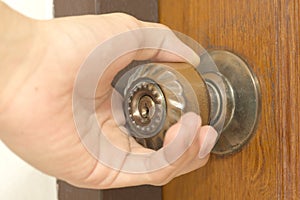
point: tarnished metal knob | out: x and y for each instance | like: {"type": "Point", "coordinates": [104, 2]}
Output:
{"type": "Point", "coordinates": [158, 94]}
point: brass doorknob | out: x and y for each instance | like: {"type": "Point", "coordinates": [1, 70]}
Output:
{"type": "Point", "coordinates": [157, 94]}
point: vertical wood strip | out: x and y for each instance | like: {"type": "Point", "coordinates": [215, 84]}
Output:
{"type": "Point", "coordinates": [288, 101]}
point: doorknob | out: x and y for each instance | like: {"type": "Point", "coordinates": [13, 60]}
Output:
{"type": "Point", "coordinates": [226, 97]}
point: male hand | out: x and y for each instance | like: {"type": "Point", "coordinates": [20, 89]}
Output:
{"type": "Point", "coordinates": [36, 117]}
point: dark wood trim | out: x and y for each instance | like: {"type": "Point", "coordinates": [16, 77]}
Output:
{"type": "Point", "coordinates": [145, 192]}
{"type": "Point", "coordinates": [146, 10]}
{"type": "Point", "coordinates": [69, 192]}
{"type": "Point", "coordinates": [64, 8]}
{"type": "Point", "coordinates": [141, 9]}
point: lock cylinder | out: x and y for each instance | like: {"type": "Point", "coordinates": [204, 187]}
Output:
{"type": "Point", "coordinates": [157, 95]}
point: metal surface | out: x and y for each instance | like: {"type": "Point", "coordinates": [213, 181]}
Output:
{"type": "Point", "coordinates": [243, 102]}
{"type": "Point", "coordinates": [160, 93]}
{"type": "Point", "coordinates": [157, 95]}
{"type": "Point", "coordinates": [146, 108]}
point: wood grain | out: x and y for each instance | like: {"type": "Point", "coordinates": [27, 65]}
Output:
{"type": "Point", "coordinates": [266, 35]}
{"type": "Point", "coordinates": [288, 97]}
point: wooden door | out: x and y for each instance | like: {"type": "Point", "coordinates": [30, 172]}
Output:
{"type": "Point", "coordinates": [266, 34]}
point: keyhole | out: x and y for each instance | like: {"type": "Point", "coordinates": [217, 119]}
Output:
{"type": "Point", "coordinates": [145, 110]}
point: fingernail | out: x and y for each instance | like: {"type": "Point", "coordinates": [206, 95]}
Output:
{"type": "Point", "coordinates": [208, 143]}
{"type": "Point", "coordinates": [196, 61]}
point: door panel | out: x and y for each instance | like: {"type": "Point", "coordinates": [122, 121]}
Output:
{"type": "Point", "coordinates": [266, 35]}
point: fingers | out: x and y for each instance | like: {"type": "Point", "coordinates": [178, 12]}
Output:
{"type": "Point", "coordinates": [208, 136]}
{"type": "Point", "coordinates": [127, 40]}
{"type": "Point", "coordinates": [160, 42]}
{"type": "Point", "coordinates": [181, 147]}
{"type": "Point", "coordinates": [142, 34]}
{"type": "Point", "coordinates": [207, 141]}
{"type": "Point", "coordinates": [186, 148]}
{"type": "Point", "coordinates": [195, 156]}
{"type": "Point", "coordinates": [166, 46]}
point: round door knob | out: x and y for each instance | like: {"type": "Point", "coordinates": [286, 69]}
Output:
{"type": "Point", "coordinates": [158, 94]}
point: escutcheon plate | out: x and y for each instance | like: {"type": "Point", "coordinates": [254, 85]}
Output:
{"type": "Point", "coordinates": [244, 86]}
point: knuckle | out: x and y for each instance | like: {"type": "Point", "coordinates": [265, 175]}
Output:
{"type": "Point", "coordinates": [162, 178]}
{"type": "Point", "coordinates": [130, 20]}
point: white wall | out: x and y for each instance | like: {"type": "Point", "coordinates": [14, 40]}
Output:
{"type": "Point", "coordinates": [38, 9]}
{"type": "Point", "coordinates": [18, 180]}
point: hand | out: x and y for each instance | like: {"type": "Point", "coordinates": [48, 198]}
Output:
{"type": "Point", "coordinates": [36, 117]}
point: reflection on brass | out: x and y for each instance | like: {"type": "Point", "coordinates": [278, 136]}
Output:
{"type": "Point", "coordinates": [226, 96]}
{"type": "Point", "coordinates": [143, 104]}
{"type": "Point", "coordinates": [243, 103]}
{"type": "Point", "coordinates": [157, 96]}
{"type": "Point", "coordinates": [196, 81]}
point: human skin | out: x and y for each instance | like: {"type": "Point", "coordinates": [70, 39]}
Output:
{"type": "Point", "coordinates": [38, 68]}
